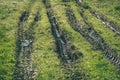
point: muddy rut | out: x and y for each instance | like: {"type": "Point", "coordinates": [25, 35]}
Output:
{"type": "Point", "coordinates": [93, 37]}
{"type": "Point", "coordinates": [65, 49]}
{"type": "Point", "coordinates": [25, 38]}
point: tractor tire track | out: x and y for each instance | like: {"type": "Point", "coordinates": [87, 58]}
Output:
{"type": "Point", "coordinates": [110, 24]}
{"type": "Point", "coordinates": [64, 47]}
{"type": "Point", "coordinates": [93, 37]}
{"type": "Point", "coordinates": [24, 41]}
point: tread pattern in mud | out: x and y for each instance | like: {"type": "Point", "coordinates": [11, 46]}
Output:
{"type": "Point", "coordinates": [93, 37]}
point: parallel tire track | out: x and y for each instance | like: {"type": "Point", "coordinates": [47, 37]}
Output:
{"type": "Point", "coordinates": [24, 41]}
{"type": "Point", "coordinates": [93, 37]}
{"type": "Point", "coordinates": [64, 47]}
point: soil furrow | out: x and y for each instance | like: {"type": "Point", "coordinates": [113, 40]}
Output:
{"type": "Point", "coordinates": [93, 37]}
{"type": "Point", "coordinates": [25, 38]}
{"type": "Point", "coordinates": [64, 47]}
{"type": "Point", "coordinates": [110, 24]}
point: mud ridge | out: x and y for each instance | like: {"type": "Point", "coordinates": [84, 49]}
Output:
{"type": "Point", "coordinates": [93, 37]}
{"type": "Point", "coordinates": [64, 47]}
{"type": "Point", "coordinates": [110, 24]}
{"type": "Point", "coordinates": [24, 41]}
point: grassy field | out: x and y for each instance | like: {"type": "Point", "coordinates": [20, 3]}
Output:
{"type": "Point", "coordinates": [44, 62]}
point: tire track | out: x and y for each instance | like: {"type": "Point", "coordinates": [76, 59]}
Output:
{"type": "Point", "coordinates": [64, 47]}
{"type": "Point", "coordinates": [93, 37]}
{"type": "Point", "coordinates": [110, 24]}
{"type": "Point", "coordinates": [24, 41]}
